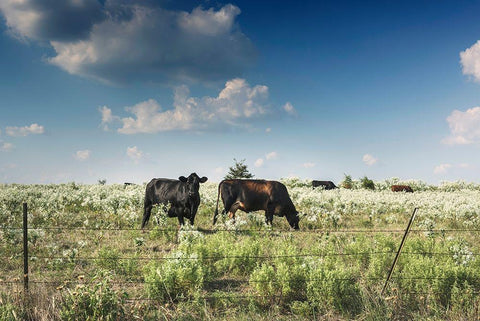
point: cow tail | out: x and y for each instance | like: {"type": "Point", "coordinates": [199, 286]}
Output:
{"type": "Point", "coordinates": [216, 208]}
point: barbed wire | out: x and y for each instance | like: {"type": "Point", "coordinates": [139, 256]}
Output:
{"type": "Point", "coordinates": [260, 230]}
{"type": "Point", "coordinates": [266, 257]}
{"type": "Point", "coordinates": [231, 281]}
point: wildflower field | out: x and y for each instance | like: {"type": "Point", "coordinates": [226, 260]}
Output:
{"type": "Point", "coordinates": [89, 259]}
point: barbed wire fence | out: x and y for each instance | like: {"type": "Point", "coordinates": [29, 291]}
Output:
{"type": "Point", "coordinates": [26, 257]}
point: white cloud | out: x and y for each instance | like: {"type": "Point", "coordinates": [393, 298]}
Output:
{"type": "Point", "coordinates": [107, 117]}
{"type": "Point", "coordinates": [259, 162]}
{"type": "Point", "coordinates": [268, 130]}
{"type": "Point", "coordinates": [288, 107]}
{"type": "Point", "coordinates": [5, 147]}
{"type": "Point", "coordinates": [134, 153]}
{"type": "Point", "coordinates": [470, 61]}
{"type": "Point", "coordinates": [82, 155]}
{"type": "Point", "coordinates": [33, 129]}
{"type": "Point", "coordinates": [442, 168]}
{"type": "Point", "coordinates": [464, 127]}
{"type": "Point", "coordinates": [237, 104]}
{"type": "Point", "coordinates": [369, 160]}
{"type": "Point", "coordinates": [219, 170]}
{"type": "Point", "coordinates": [272, 155]}
{"type": "Point", "coordinates": [125, 41]}
{"type": "Point", "coordinates": [308, 165]}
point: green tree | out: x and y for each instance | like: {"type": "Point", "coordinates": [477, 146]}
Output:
{"type": "Point", "coordinates": [347, 182]}
{"type": "Point", "coordinates": [238, 170]}
{"type": "Point", "coordinates": [367, 183]}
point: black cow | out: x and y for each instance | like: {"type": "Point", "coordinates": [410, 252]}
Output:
{"type": "Point", "coordinates": [327, 185]}
{"type": "Point", "coordinates": [254, 195]}
{"type": "Point", "coordinates": [181, 194]}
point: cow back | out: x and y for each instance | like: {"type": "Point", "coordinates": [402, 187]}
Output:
{"type": "Point", "coordinates": [401, 188]}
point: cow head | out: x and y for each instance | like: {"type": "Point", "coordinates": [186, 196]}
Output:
{"type": "Point", "coordinates": [293, 219]}
{"type": "Point", "coordinates": [193, 183]}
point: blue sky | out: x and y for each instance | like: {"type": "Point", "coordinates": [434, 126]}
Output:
{"type": "Point", "coordinates": [129, 90]}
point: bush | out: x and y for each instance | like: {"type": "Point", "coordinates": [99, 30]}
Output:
{"type": "Point", "coordinates": [347, 182]}
{"type": "Point", "coordinates": [367, 183]}
{"type": "Point", "coordinates": [97, 301]}
{"type": "Point", "coordinates": [337, 289]}
{"type": "Point", "coordinates": [178, 277]}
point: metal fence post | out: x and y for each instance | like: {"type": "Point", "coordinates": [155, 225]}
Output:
{"type": "Point", "coordinates": [400, 248]}
{"type": "Point", "coordinates": [25, 247]}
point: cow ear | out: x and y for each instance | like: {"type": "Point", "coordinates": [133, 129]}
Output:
{"type": "Point", "coordinates": [182, 179]}
{"type": "Point", "coordinates": [203, 179]}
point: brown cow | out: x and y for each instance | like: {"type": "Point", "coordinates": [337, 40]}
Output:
{"type": "Point", "coordinates": [401, 188]}
{"type": "Point", "coordinates": [255, 195]}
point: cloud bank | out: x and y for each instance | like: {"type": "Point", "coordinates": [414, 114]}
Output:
{"type": "Point", "coordinates": [33, 129]}
{"type": "Point", "coordinates": [237, 105]}
{"type": "Point", "coordinates": [124, 41]}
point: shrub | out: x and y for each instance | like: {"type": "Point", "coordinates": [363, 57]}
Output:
{"type": "Point", "coordinates": [97, 301]}
{"type": "Point", "coordinates": [180, 276]}
{"type": "Point", "coordinates": [347, 182]}
{"type": "Point", "coordinates": [367, 183]}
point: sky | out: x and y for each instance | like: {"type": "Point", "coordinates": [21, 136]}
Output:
{"type": "Point", "coordinates": [128, 90]}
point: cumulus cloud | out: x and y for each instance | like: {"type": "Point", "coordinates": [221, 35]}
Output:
{"type": "Point", "coordinates": [442, 168]}
{"type": "Point", "coordinates": [470, 61]}
{"type": "Point", "coordinates": [308, 165]}
{"type": "Point", "coordinates": [134, 153]}
{"type": "Point", "coordinates": [123, 41]}
{"type": "Point", "coordinates": [82, 155]}
{"type": "Point", "coordinates": [369, 160]}
{"type": "Point", "coordinates": [50, 19]}
{"type": "Point", "coordinates": [464, 127]}
{"type": "Point", "coordinates": [259, 162]}
{"type": "Point", "coordinates": [237, 105]}
{"type": "Point", "coordinates": [107, 117]}
{"type": "Point", "coordinates": [5, 147]}
{"type": "Point", "coordinates": [288, 107]}
{"type": "Point", "coordinates": [272, 155]}
{"type": "Point", "coordinates": [33, 129]}
{"type": "Point", "coordinates": [445, 168]}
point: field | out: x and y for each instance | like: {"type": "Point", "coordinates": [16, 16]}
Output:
{"type": "Point", "coordinates": [89, 260]}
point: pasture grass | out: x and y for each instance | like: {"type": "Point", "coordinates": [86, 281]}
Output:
{"type": "Point", "coordinates": [100, 266]}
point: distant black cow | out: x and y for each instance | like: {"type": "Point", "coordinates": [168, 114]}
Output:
{"type": "Point", "coordinates": [255, 195]}
{"type": "Point", "coordinates": [325, 184]}
{"type": "Point", "coordinates": [401, 188]}
{"type": "Point", "coordinates": [181, 194]}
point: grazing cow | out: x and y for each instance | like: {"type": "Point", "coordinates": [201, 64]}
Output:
{"type": "Point", "coordinates": [181, 194]}
{"type": "Point", "coordinates": [401, 188]}
{"type": "Point", "coordinates": [254, 195]}
{"type": "Point", "coordinates": [327, 185]}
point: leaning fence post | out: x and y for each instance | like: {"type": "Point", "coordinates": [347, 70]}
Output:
{"type": "Point", "coordinates": [400, 248]}
{"type": "Point", "coordinates": [25, 248]}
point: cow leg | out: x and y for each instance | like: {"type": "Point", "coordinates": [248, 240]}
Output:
{"type": "Point", "coordinates": [147, 210]}
{"type": "Point", "coordinates": [193, 212]}
{"type": "Point", "coordinates": [228, 205]}
{"type": "Point", "coordinates": [180, 215]}
{"type": "Point", "coordinates": [269, 214]}
{"type": "Point", "coordinates": [233, 209]}
{"type": "Point", "coordinates": [171, 212]}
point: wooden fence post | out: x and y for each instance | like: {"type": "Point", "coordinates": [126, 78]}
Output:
{"type": "Point", "coordinates": [400, 248]}
{"type": "Point", "coordinates": [25, 248]}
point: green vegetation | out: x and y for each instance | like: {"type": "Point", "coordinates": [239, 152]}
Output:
{"type": "Point", "coordinates": [100, 266]}
{"type": "Point", "coordinates": [238, 170]}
